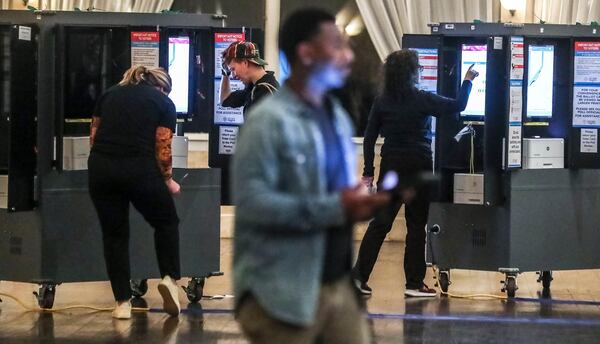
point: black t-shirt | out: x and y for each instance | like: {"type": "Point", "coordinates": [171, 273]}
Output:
{"type": "Point", "coordinates": [247, 97]}
{"type": "Point", "coordinates": [130, 116]}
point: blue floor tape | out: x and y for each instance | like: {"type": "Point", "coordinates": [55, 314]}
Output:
{"type": "Point", "coordinates": [433, 317]}
{"type": "Point", "coordinates": [557, 302]}
{"type": "Point", "coordinates": [487, 319]}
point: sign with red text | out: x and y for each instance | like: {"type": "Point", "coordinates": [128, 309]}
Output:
{"type": "Point", "coordinates": [224, 115]}
{"type": "Point", "coordinates": [145, 47]}
{"type": "Point", "coordinates": [586, 85]}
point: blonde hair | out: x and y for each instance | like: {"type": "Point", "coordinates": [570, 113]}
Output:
{"type": "Point", "coordinates": [157, 77]}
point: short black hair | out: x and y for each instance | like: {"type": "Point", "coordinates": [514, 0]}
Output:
{"type": "Point", "coordinates": [301, 26]}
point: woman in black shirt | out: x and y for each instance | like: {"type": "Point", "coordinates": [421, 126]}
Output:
{"type": "Point", "coordinates": [130, 162]}
{"type": "Point", "coordinates": [402, 115]}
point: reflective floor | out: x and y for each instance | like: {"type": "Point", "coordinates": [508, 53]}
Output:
{"type": "Point", "coordinates": [561, 317]}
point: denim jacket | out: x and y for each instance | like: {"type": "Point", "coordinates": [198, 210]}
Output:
{"type": "Point", "coordinates": [282, 205]}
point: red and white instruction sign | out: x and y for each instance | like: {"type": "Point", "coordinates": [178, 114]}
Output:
{"type": "Point", "coordinates": [517, 61]}
{"type": "Point", "coordinates": [145, 47]}
{"type": "Point", "coordinates": [222, 41]}
{"type": "Point", "coordinates": [228, 119]}
{"type": "Point", "coordinates": [428, 60]}
{"type": "Point", "coordinates": [586, 85]}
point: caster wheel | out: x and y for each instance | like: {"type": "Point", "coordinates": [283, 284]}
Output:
{"type": "Point", "coordinates": [511, 287]}
{"type": "Point", "coordinates": [546, 279]}
{"type": "Point", "coordinates": [194, 289]}
{"type": "Point", "coordinates": [444, 279]}
{"type": "Point", "coordinates": [139, 287]}
{"type": "Point", "coordinates": [45, 295]}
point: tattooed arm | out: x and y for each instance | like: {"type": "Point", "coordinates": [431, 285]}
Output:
{"type": "Point", "coordinates": [164, 137]}
{"type": "Point", "coordinates": [93, 129]}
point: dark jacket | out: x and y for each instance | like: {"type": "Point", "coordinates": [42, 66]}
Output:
{"type": "Point", "coordinates": [405, 123]}
{"type": "Point", "coordinates": [247, 97]}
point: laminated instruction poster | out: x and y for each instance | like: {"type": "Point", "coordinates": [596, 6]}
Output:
{"type": "Point", "coordinates": [515, 114]}
{"type": "Point", "coordinates": [517, 62]}
{"type": "Point", "coordinates": [515, 111]}
{"type": "Point", "coordinates": [226, 115]}
{"type": "Point", "coordinates": [145, 48]}
{"type": "Point", "coordinates": [428, 78]}
{"type": "Point", "coordinates": [231, 117]}
{"type": "Point", "coordinates": [586, 89]}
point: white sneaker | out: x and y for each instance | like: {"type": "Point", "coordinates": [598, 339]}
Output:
{"type": "Point", "coordinates": [122, 310]}
{"type": "Point", "coordinates": [169, 291]}
{"type": "Point", "coordinates": [363, 288]}
{"type": "Point", "coordinates": [424, 291]}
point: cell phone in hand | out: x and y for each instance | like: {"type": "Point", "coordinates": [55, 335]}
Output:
{"type": "Point", "coordinates": [390, 181]}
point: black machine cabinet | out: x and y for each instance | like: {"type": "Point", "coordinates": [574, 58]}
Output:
{"type": "Point", "coordinates": [95, 55]}
{"type": "Point", "coordinates": [63, 241]}
{"type": "Point", "coordinates": [18, 117]}
{"type": "Point", "coordinates": [528, 219]}
{"type": "Point", "coordinates": [53, 71]}
{"type": "Point", "coordinates": [93, 58]}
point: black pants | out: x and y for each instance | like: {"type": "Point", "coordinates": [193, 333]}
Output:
{"type": "Point", "coordinates": [114, 182]}
{"type": "Point", "coordinates": [409, 169]}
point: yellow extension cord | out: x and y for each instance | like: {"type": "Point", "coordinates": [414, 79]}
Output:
{"type": "Point", "coordinates": [62, 309]}
{"type": "Point", "coordinates": [467, 296]}
{"type": "Point", "coordinates": [475, 296]}
{"type": "Point", "coordinates": [140, 309]}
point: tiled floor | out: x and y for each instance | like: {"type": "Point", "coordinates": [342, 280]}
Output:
{"type": "Point", "coordinates": [395, 319]}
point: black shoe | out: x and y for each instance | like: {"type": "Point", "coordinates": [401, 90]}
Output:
{"type": "Point", "coordinates": [363, 287]}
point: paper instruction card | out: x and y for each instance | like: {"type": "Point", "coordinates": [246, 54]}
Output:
{"type": "Point", "coordinates": [25, 33]}
{"type": "Point", "coordinates": [589, 141]}
{"type": "Point", "coordinates": [516, 103]}
{"type": "Point", "coordinates": [514, 146]}
{"type": "Point", "coordinates": [227, 139]}
{"type": "Point", "coordinates": [498, 43]}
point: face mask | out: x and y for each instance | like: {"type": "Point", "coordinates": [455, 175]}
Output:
{"type": "Point", "coordinates": [328, 76]}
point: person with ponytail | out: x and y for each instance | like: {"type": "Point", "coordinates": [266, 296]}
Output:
{"type": "Point", "coordinates": [130, 163]}
{"type": "Point", "coordinates": [402, 115]}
